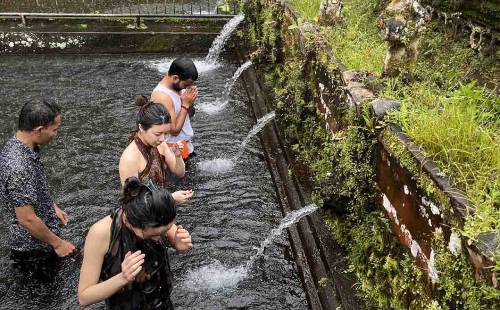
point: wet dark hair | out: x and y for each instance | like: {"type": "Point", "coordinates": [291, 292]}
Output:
{"type": "Point", "coordinates": [37, 112]}
{"type": "Point", "coordinates": [147, 206]}
{"type": "Point", "coordinates": [184, 68]}
{"type": "Point", "coordinates": [150, 113]}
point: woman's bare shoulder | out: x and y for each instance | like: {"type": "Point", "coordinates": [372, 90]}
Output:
{"type": "Point", "coordinates": [131, 151]}
{"type": "Point", "coordinates": [100, 233]}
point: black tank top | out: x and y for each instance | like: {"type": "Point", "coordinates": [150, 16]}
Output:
{"type": "Point", "coordinates": [153, 285]}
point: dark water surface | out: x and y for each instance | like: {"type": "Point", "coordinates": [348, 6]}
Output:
{"type": "Point", "coordinates": [229, 216]}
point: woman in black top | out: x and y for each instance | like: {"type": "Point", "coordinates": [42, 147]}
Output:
{"type": "Point", "coordinates": [125, 260]}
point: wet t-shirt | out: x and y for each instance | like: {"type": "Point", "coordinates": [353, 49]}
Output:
{"type": "Point", "coordinates": [23, 182]}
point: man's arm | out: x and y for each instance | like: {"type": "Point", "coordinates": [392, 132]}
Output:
{"type": "Point", "coordinates": [36, 227]}
{"type": "Point", "coordinates": [177, 121]}
{"type": "Point", "coordinates": [22, 195]}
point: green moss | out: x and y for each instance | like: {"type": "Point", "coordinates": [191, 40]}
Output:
{"type": "Point", "coordinates": [158, 43]}
{"type": "Point", "coordinates": [263, 30]}
{"type": "Point", "coordinates": [323, 282]}
{"type": "Point", "coordinates": [458, 289]}
{"type": "Point", "coordinates": [382, 266]}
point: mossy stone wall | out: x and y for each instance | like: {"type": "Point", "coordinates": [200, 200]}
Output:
{"type": "Point", "coordinates": [484, 11]}
{"type": "Point", "coordinates": [324, 114]}
{"type": "Point", "coordinates": [114, 35]}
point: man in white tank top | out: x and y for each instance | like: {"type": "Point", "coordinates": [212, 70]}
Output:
{"type": "Point", "coordinates": [176, 91]}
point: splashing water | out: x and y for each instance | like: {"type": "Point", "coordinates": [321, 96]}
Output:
{"type": "Point", "coordinates": [220, 41]}
{"type": "Point", "coordinates": [163, 65]}
{"type": "Point", "coordinates": [216, 165]}
{"type": "Point", "coordinates": [212, 108]}
{"type": "Point", "coordinates": [223, 165]}
{"type": "Point", "coordinates": [213, 277]}
{"type": "Point", "coordinates": [219, 105]}
{"type": "Point", "coordinates": [216, 276]}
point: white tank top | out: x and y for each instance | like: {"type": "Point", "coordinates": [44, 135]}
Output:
{"type": "Point", "coordinates": [186, 132]}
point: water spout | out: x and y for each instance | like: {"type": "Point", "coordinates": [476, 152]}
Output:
{"type": "Point", "coordinates": [223, 165]}
{"type": "Point", "coordinates": [219, 105]}
{"type": "Point", "coordinates": [220, 41]}
{"type": "Point", "coordinates": [230, 84]}
{"type": "Point", "coordinates": [261, 123]}
{"type": "Point", "coordinates": [287, 221]}
{"type": "Point", "coordinates": [216, 276]}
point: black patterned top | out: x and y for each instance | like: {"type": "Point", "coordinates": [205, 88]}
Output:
{"type": "Point", "coordinates": [23, 182]}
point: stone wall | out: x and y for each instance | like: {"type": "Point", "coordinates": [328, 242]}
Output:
{"type": "Point", "coordinates": [485, 12]}
{"type": "Point", "coordinates": [108, 35]}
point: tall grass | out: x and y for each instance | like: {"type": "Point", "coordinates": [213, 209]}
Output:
{"type": "Point", "coordinates": [307, 9]}
{"type": "Point", "coordinates": [455, 122]}
{"type": "Point", "coordinates": [357, 43]}
{"type": "Point", "coordinates": [462, 138]}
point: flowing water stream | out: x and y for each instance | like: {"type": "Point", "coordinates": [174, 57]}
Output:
{"type": "Point", "coordinates": [219, 42]}
{"type": "Point", "coordinates": [220, 104]}
{"type": "Point", "coordinates": [215, 276]}
{"type": "Point", "coordinates": [224, 164]}
{"type": "Point", "coordinates": [228, 217]}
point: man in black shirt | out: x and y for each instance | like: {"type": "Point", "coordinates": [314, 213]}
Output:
{"type": "Point", "coordinates": [24, 195]}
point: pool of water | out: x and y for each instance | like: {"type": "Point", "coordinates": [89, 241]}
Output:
{"type": "Point", "coordinates": [230, 214]}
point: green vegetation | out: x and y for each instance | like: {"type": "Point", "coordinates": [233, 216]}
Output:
{"type": "Point", "coordinates": [449, 116]}
{"type": "Point", "coordinates": [457, 287]}
{"type": "Point", "coordinates": [385, 271]}
{"type": "Point", "coordinates": [306, 9]}
{"type": "Point", "coordinates": [406, 159]}
{"type": "Point", "coordinates": [357, 43]}
{"type": "Point", "coordinates": [459, 136]}
{"type": "Point", "coordinates": [456, 122]}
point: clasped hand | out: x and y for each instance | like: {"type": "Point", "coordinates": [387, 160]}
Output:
{"type": "Point", "coordinates": [189, 95]}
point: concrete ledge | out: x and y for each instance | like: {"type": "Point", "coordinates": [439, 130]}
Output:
{"type": "Point", "coordinates": [108, 36]}
{"type": "Point", "coordinates": [22, 43]}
